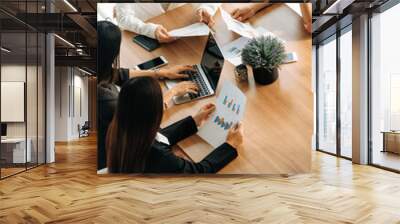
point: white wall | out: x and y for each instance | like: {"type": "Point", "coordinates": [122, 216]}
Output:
{"type": "Point", "coordinates": [33, 127]}
{"type": "Point", "coordinates": [62, 81]}
{"type": "Point", "coordinates": [15, 73]}
{"type": "Point", "coordinates": [70, 83]}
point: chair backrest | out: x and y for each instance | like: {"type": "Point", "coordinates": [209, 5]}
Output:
{"type": "Point", "coordinates": [86, 125]}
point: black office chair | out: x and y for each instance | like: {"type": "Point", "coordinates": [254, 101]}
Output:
{"type": "Point", "coordinates": [84, 130]}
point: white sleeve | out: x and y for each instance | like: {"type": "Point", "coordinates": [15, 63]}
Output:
{"type": "Point", "coordinates": [127, 20]}
{"type": "Point", "coordinates": [211, 8]}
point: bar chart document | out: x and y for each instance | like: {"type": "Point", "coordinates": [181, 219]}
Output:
{"type": "Point", "coordinates": [230, 107]}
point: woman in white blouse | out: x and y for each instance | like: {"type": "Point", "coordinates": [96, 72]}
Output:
{"type": "Point", "coordinates": [132, 16]}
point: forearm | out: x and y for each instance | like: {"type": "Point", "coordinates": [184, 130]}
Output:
{"type": "Point", "coordinates": [258, 6]}
{"type": "Point", "coordinates": [179, 130]}
{"type": "Point", "coordinates": [128, 21]}
{"type": "Point", "coordinates": [306, 13]}
{"type": "Point", "coordinates": [211, 8]}
{"type": "Point", "coordinates": [136, 73]}
{"type": "Point", "coordinates": [218, 158]}
{"type": "Point", "coordinates": [167, 98]}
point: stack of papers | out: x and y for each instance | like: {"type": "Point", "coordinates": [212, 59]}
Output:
{"type": "Point", "coordinates": [196, 29]}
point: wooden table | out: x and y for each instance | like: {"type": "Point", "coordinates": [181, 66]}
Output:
{"type": "Point", "coordinates": [278, 122]}
{"type": "Point", "coordinates": [391, 141]}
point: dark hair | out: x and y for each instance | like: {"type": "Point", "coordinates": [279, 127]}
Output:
{"type": "Point", "coordinates": [108, 45]}
{"type": "Point", "coordinates": [135, 124]}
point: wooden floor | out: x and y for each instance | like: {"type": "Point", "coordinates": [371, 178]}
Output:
{"type": "Point", "coordinates": [69, 191]}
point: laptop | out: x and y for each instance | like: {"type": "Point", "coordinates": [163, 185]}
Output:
{"type": "Point", "coordinates": [3, 131]}
{"type": "Point", "coordinates": [206, 74]}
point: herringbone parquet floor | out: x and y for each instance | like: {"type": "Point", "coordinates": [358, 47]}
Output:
{"type": "Point", "coordinates": [69, 191]}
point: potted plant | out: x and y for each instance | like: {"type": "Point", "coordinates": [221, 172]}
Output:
{"type": "Point", "coordinates": [264, 54]}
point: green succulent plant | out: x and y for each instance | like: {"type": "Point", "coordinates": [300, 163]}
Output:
{"type": "Point", "coordinates": [264, 52]}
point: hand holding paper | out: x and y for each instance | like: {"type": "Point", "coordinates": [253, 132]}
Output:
{"type": "Point", "coordinates": [238, 27]}
{"type": "Point", "coordinates": [230, 107]}
{"type": "Point", "coordinates": [235, 135]}
{"type": "Point", "coordinates": [196, 29]}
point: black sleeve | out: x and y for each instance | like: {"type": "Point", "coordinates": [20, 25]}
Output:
{"type": "Point", "coordinates": [220, 157]}
{"type": "Point", "coordinates": [167, 162]}
{"type": "Point", "coordinates": [179, 130]}
{"type": "Point", "coordinates": [106, 103]}
{"type": "Point", "coordinates": [123, 76]}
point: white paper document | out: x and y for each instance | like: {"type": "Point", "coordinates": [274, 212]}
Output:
{"type": "Point", "coordinates": [232, 51]}
{"type": "Point", "coordinates": [196, 29]}
{"type": "Point", "coordinates": [243, 29]}
{"type": "Point", "coordinates": [230, 107]}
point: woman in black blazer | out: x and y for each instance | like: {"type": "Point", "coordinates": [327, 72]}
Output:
{"type": "Point", "coordinates": [111, 77]}
{"type": "Point", "coordinates": [135, 144]}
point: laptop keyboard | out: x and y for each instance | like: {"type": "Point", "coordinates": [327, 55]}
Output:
{"type": "Point", "coordinates": [195, 77]}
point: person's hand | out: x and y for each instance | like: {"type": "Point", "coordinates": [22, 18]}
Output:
{"type": "Point", "coordinates": [308, 27]}
{"type": "Point", "coordinates": [182, 88]}
{"type": "Point", "coordinates": [174, 72]}
{"type": "Point", "coordinates": [242, 14]}
{"type": "Point", "coordinates": [235, 136]}
{"type": "Point", "coordinates": [203, 114]}
{"type": "Point", "coordinates": [205, 17]}
{"type": "Point", "coordinates": [162, 35]}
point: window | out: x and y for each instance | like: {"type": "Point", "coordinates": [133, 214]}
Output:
{"type": "Point", "coordinates": [334, 106]}
{"type": "Point", "coordinates": [22, 76]}
{"type": "Point", "coordinates": [385, 89]}
{"type": "Point", "coordinates": [346, 92]}
{"type": "Point", "coordinates": [326, 102]}
{"type": "Point", "coordinates": [394, 101]}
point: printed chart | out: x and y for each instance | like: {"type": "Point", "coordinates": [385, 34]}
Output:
{"type": "Point", "coordinates": [230, 106]}
{"type": "Point", "coordinates": [222, 123]}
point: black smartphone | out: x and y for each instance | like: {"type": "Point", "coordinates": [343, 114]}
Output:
{"type": "Point", "coordinates": [146, 42]}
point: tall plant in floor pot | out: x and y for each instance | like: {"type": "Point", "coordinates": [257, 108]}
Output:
{"type": "Point", "coordinates": [264, 54]}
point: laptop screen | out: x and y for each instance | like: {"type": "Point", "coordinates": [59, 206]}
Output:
{"type": "Point", "coordinates": [212, 61]}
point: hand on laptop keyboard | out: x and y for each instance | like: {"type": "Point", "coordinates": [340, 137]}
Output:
{"type": "Point", "coordinates": [195, 77]}
{"type": "Point", "coordinates": [188, 73]}
{"type": "Point", "coordinates": [185, 87]}
{"type": "Point", "coordinates": [175, 72]}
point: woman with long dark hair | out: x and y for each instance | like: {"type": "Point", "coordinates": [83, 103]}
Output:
{"type": "Point", "coordinates": [135, 143]}
{"type": "Point", "coordinates": [111, 78]}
